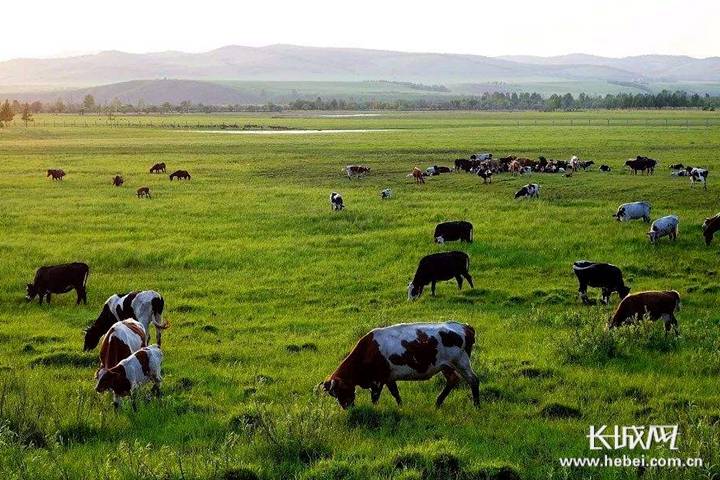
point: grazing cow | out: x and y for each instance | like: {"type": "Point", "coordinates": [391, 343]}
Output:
{"type": "Point", "coordinates": [664, 226]}
{"type": "Point", "coordinates": [143, 192]}
{"type": "Point", "coordinates": [514, 167]}
{"type": "Point", "coordinates": [643, 164]}
{"type": "Point", "coordinates": [118, 181]}
{"type": "Point", "coordinates": [180, 175]}
{"type": "Point", "coordinates": [699, 175]}
{"type": "Point", "coordinates": [146, 307]}
{"type": "Point", "coordinates": [336, 202]}
{"type": "Point", "coordinates": [486, 175]}
{"type": "Point", "coordinates": [55, 173]}
{"type": "Point", "coordinates": [122, 340]}
{"type": "Point", "coordinates": [605, 168]}
{"type": "Point", "coordinates": [417, 174]}
{"type": "Point", "coordinates": [407, 351]}
{"type": "Point", "coordinates": [587, 165]}
{"type": "Point", "coordinates": [439, 267]}
{"type": "Point", "coordinates": [677, 166]}
{"type": "Point", "coordinates": [606, 276]}
{"type": "Point", "coordinates": [655, 304]}
{"type": "Point", "coordinates": [158, 168]}
{"type": "Point", "coordinates": [356, 171]}
{"type": "Point", "coordinates": [633, 211]}
{"type": "Point", "coordinates": [132, 372]}
{"type": "Point", "coordinates": [59, 279]}
{"type": "Point", "coordinates": [385, 194]}
{"type": "Point", "coordinates": [453, 231]}
{"type": "Point", "coordinates": [709, 227]}
{"type": "Point", "coordinates": [528, 191]}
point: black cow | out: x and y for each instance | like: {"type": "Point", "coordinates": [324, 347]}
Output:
{"type": "Point", "coordinates": [453, 231]}
{"type": "Point", "coordinates": [605, 168]}
{"type": "Point", "coordinates": [644, 164]}
{"type": "Point", "coordinates": [586, 165]}
{"type": "Point", "coordinates": [439, 267]}
{"type": "Point", "coordinates": [599, 275]}
{"type": "Point", "coordinates": [59, 279]}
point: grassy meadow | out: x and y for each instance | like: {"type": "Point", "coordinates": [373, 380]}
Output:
{"type": "Point", "coordinates": [267, 290]}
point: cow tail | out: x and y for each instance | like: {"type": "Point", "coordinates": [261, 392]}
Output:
{"type": "Point", "coordinates": [87, 274]}
{"type": "Point", "coordinates": [469, 338]}
{"type": "Point", "coordinates": [471, 233]}
{"type": "Point", "coordinates": [678, 304]}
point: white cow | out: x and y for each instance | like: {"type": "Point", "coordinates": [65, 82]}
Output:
{"type": "Point", "coordinates": [699, 175]}
{"type": "Point", "coordinates": [662, 227]}
{"type": "Point", "coordinates": [633, 211]}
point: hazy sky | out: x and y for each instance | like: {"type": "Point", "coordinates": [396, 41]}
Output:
{"type": "Point", "coordinates": [42, 28]}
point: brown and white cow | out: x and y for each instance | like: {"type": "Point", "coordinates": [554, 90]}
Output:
{"type": "Point", "coordinates": [356, 171]}
{"type": "Point", "coordinates": [407, 351]}
{"type": "Point", "coordinates": [55, 173]}
{"type": "Point", "coordinates": [655, 304]}
{"type": "Point", "coordinates": [417, 174]}
{"type": "Point", "coordinates": [514, 167]}
{"type": "Point", "coordinates": [709, 227]}
{"type": "Point", "coordinates": [132, 372]}
{"type": "Point", "coordinates": [122, 340]}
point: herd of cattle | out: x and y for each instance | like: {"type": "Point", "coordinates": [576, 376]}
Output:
{"type": "Point", "coordinates": [415, 351]}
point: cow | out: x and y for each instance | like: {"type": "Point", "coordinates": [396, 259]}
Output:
{"type": "Point", "coordinates": [655, 304]}
{"type": "Point", "coordinates": [606, 276]}
{"type": "Point", "coordinates": [464, 165]}
{"type": "Point", "coordinates": [59, 279]}
{"type": "Point", "coordinates": [158, 168]}
{"type": "Point", "coordinates": [180, 175]}
{"type": "Point", "coordinates": [146, 307]}
{"type": "Point", "coordinates": [118, 181]}
{"type": "Point", "coordinates": [643, 164]}
{"type": "Point", "coordinates": [677, 166]}
{"type": "Point", "coordinates": [680, 173]}
{"type": "Point", "coordinates": [336, 202]}
{"type": "Point", "coordinates": [385, 194]}
{"type": "Point", "coordinates": [357, 171]}
{"type": "Point", "coordinates": [514, 167]}
{"type": "Point", "coordinates": [574, 163]}
{"type": "Point", "coordinates": [698, 175]}
{"type": "Point", "coordinates": [417, 174]}
{"type": "Point", "coordinates": [605, 168]}
{"type": "Point", "coordinates": [143, 192]}
{"type": "Point", "coordinates": [664, 226]}
{"type": "Point", "coordinates": [121, 340]}
{"type": "Point", "coordinates": [55, 173]}
{"type": "Point", "coordinates": [407, 351]}
{"type": "Point", "coordinates": [453, 231]}
{"type": "Point", "coordinates": [526, 170]}
{"type": "Point", "coordinates": [531, 190]}
{"type": "Point", "coordinates": [586, 165]}
{"type": "Point", "coordinates": [132, 372]}
{"type": "Point", "coordinates": [439, 267]}
{"type": "Point", "coordinates": [486, 175]}
{"type": "Point", "coordinates": [481, 156]}
{"type": "Point", "coordinates": [709, 227]}
{"type": "Point", "coordinates": [436, 170]}
{"type": "Point", "coordinates": [633, 211]}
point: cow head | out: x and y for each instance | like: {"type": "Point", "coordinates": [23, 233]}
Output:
{"type": "Point", "coordinates": [414, 292]}
{"type": "Point", "coordinates": [620, 213]}
{"type": "Point", "coordinates": [31, 291]}
{"type": "Point", "coordinates": [342, 391]}
{"type": "Point", "coordinates": [653, 234]}
{"type": "Point", "coordinates": [111, 380]}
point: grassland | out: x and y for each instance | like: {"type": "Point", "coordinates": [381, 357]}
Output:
{"type": "Point", "coordinates": [267, 290]}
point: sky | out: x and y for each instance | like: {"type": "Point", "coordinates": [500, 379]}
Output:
{"type": "Point", "coordinates": [615, 28]}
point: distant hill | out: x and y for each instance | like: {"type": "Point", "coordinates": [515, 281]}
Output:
{"type": "Point", "coordinates": [297, 63]}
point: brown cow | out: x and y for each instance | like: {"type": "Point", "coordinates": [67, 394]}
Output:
{"type": "Point", "coordinates": [709, 227]}
{"type": "Point", "coordinates": [118, 181]}
{"type": "Point", "coordinates": [407, 351]}
{"type": "Point", "coordinates": [418, 175]}
{"type": "Point", "coordinates": [655, 304]}
{"type": "Point", "coordinates": [55, 173]}
{"type": "Point", "coordinates": [143, 192]}
{"type": "Point", "coordinates": [158, 168]}
{"type": "Point", "coordinates": [180, 175]}
{"type": "Point", "coordinates": [59, 279]}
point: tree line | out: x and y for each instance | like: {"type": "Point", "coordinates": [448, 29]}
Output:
{"type": "Point", "coordinates": [496, 101]}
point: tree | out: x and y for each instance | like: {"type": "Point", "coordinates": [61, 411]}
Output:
{"type": "Point", "coordinates": [89, 103]}
{"type": "Point", "coordinates": [27, 115]}
{"type": "Point", "coordinates": [59, 106]}
{"type": "Point", "coordinates": [36, 107]}
{"type": "Point", "coordinates": [6, 113]}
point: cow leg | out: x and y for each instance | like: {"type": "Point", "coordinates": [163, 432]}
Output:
{"type": "Point", "coordinates": [459, 280]}
{"type": "Point", "coordinates": [158, 335]}
{"type": "Point", "coordinates": [375, 391]}
{"type": "Point", "coordinates": [392, 387]}
{"type": "Point", "coordinates": [78, 290]}
{"type": "Point", "coordinates": [432, 288]}
{"type": "Point", "coordinates": [469, 279]}
{"type": "Point", "coordinates": [605, 296]}
{"type": "Point", "coordinates": [465, 369]}
{"type": "Point", "coordinates": [452, 379]}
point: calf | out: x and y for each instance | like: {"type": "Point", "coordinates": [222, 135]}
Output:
{"type": "Point", "coordinates": [655, 304]}
{"type": "Point", "coordinates": [699, 175]}
{"type": "Point", "coordinates": [407, 351]}
{"type": "Point", "coordinates": [633, 211]}
{"type": "Point", "coordinates": [605, 168]}
{"type": "Point", "coordinates": [606, 276]}
{"type": "Point", "coordinates": [122, 340]}
{"type": "Point", "coordinates": [709, 227]}
{"type": "Point", "coordinates": [356, 171]}
{"type": "Point", "coordinates": [180, 175]}
{"type": "Point", "coordinates": [439, 267]}
{"type": "Point", "coordinates": [417, 174]}
{"type": "Point", "coordinates": [486, 175]}
{"type": "Point", "coordinates": [143, 192]}
{"type": "Point", "coordinates": [59, 279]}
{"type": "Point", "coordinates": [158, 168]}
{"type": "Point", "coordinates": [132, 372]}
{"type": "Point", "coordinates": [56, 174]}
{"type": "Point", "coordinates": [146, 307]}
{"type": "Point", "coordinates": [531, 190]}
{"type": "Point", "coordinates": [452, 231]}
{"type": "Point", "coordinates": [385, 194]}
{"type": "Point", "coordinates": [118, 181]}
{"type": "Point", "coordinates": [336, 202]}
{"type": "Point", "coordinates": [664, 226]}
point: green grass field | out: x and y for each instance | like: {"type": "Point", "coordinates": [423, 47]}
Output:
{"type": "Point", "coordinates": [266, 290]}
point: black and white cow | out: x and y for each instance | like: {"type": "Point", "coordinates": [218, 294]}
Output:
{"type": "Point", "coordinates": [605, 168]}
{"type": "Point", "coordinates": [606, 276]}
{"type": "Point", "coordinates": [59, 279]}
{"type": "Point", "coordinates": [698, 175]}
{"type": "Point", "coordinates": [453, 231]}
{"type": "Point", "coordinates": [385, 194]}
{"type": "Point", "coordinates": [666, 226]}
{"type": "Point", "coordinates": [633, 211]}
{"type": "Point", "coordinates": [439, 267]}
{"type": "Point", "coordinates": [336, 201]}
{"type": "Point", "coordinates": [529, 191]}
{"type": "Point", "coordinates": [486, 175]}
{"type": "Point", "coordinates": [146, 307]}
